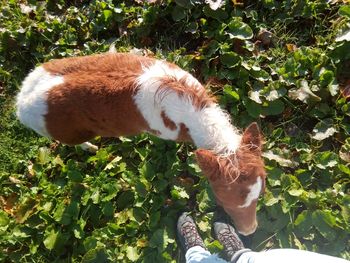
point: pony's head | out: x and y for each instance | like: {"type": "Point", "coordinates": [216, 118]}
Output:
{"type": "Point", "coordinates": [238, 179]}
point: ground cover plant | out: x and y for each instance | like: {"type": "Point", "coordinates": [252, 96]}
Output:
{"type": "Point", "coordinates": [284, 64]}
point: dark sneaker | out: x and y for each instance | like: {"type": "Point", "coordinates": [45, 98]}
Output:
{"type": "Point", "coordinates": [227, 236]}
{"type": "Point", "coordinates": [187, 232]}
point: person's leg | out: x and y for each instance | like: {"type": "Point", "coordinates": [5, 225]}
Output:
{"type": "Point", "coordinates": [198, 254]}
{"type": "Point", "coordinates": [236, 252]}
{"type": "Point", "coordinates": [287, 255]}
{"type": "Point", "coordinates": [192, 243]}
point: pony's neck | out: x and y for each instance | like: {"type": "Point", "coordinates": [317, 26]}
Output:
{"type": "Point", "coordinates": [210, 128]}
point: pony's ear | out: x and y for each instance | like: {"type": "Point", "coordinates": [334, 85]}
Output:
{"type": "Point", "coordinates": [207, 161]}
{"type": "Point", "coordinates": [252, 136]}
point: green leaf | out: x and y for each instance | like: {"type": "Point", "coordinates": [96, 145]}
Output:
{"type": "Point", "coordinates": [231, 93]}
{"type": "Point", "coordinates": [203, 226]}
{"type": "Point", "coordinates": [107, 14]}
{"type": "Point", "coordinates": [178, 13]}
{"type": "Point", "coordinates": [108, 209]}
{"type": "Point", "coordinates": [113, 164]}
{"type": "Point", "coordinates": [303, 222]}
{"type": "Point", "coordinates": [281, 157]}
{"type": "Point", "coordinates": [344, 169]}
{"type": "Point", "coordinates": [344, 11]}
{"type": "Point", "coordinates": [269, 199]}
{"type": "Point", "coordinates": [179, 193]}
{"type": "Point", "coordinates": [253, 108]}
{"type": "Point", "coordinates": [4, 220]}
{"type": "Point", "coordinates": [323, 130]}
{"type": "Point", "coordinates": [303, 93]}
{"type": "Point", "coordinates": [154, 219]}
{"type": "Point", "coordinates": [44, 155]}
{"type": "Point", "coordinates": [275, 107]}
{"type": "Point", "coordinates": [96, 255]}
{"type": "Point", "coordinates": [75, 176]}
{"type": "Point", "coordinates": [218, 14]}
{"type": "Point", "coordinates": [131, 253]}
{"type": "Point", "coordinates": [325, 222]}
{"type": "Point", "coordinates": [205, 199]}
{"type": "Point", "coordinates": [160, 239]}
{"type": "Point", "coordinates": [184, 3]}
{"type": "Point", "coordinates": [239, 30]}
{"type": "Point", "coordinates": [125, 199]}
{"type": "Point", "coordinates": [296, 192]}
{"type": "Point", "coordinates": [326, 159]}
{"type": "Point", "coordinates": [50, 238]}
{"type": "Point", "coordinates": [230, 59]}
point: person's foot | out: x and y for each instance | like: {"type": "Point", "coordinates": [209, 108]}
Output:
{"type": "Point", "coordinates": [187, 232]}
{"type": "Point", "coordinates": [227, 236]}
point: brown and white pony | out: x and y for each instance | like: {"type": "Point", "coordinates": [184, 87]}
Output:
{"type": "Point", "coordinates": [75, 99]}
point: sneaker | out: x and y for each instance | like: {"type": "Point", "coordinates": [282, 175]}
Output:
{"type": "Point", "coordinates": [227, 236]}
{"type": "Point", "coordinates": [187, 232]}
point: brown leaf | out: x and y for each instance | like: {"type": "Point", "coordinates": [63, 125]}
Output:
{"type": "Point", "coordinates": [265, 37]}
{"type": "Point", "coordinates": [215, 82]}
{"type": "Point", "coordinates": [238, 2]}
{"type": "Point", "coordinates": [26, 209]}
{"type": "Point", "coordinates": [291, 47]}
{"type": "Point", "coordinates": [186, 181]}
{"type": "Point", "coordinates": [8, 203]}
{"type": "Point", "coordinates": [346, 91]}
{"type": "Point", "coordinates": [14, 180]}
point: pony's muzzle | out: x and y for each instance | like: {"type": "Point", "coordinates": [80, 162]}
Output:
{"type": "Point", "coordinates": [246, 231]}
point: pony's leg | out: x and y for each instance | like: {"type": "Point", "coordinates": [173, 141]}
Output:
{"type": "Point", "coordinates": [87, 146]}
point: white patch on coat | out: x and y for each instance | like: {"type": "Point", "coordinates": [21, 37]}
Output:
{"type": "Point", "coordinates": [209, 128]}
{"type": "Point", "coordinates": [254, 192]}
{"type": "Point", "coordinates": [31, 100]}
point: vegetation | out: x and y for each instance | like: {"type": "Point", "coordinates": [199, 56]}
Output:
{"type": "Point", "coordinates": [284, 64]}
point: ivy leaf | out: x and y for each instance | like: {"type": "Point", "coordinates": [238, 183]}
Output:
{"type": "Point", "coordinates": [107, 14]}
{"type": "Point", "coordinates": [253, 108]}
{"type": "Point", "coordinates": [272, 108]}
{"type": "Point", "coordinates": [50, 238]}
{"type": "Point", "coordinates": [239, 30]}
{"type": "Point", "coordinates": [280, 157]}
{"type": "Point", "coordinates": [160, 239]}
{"type": "Point", "coordinates": [303, 93]}
{"type": "Point", "coordinates": [95, 255]}
{"type": "Point", "coordinates": [326, 159]}
{"type": "Point", "coordinates": [323, 130]}
{"type": "Point", "coordinates": [179, 193]}
{"type": "Point", "coordinates": [184, 3]}
{"type": "Point", "coordinates": [112, 164]}
{"type": "Point", "coordinates": [254, 95]}
{"type": "Point", "coordinates": [344, 11]}
{"type": "Point", "coordinates": [125, 199]}
{"type": "Point", "coordinates": [4, 220]}
{"type": "Point", "coordinates": [178, 13]}
{"type": "Point", "coordinates": [325, 222]}
{"type": "Point", "coordinates": [131, 253]}
{"type": "Point", "coordinates": [205, 199]}
{"type": "Point", "coordinates": [44, 155]}
{"type": "Point", "coordinates": [231, 93]}
{"type": "Point", "coordinates": [296, 192]}
{"type": "Point", "coordinates": [218, 14]}
{"type": "Point", "coordinates": [230, 59]}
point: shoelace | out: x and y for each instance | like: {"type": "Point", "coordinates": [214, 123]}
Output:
{"type": "Point", "coordinates": [191, 236]}
{"type": "Point", "coordinates": [228, 240]}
